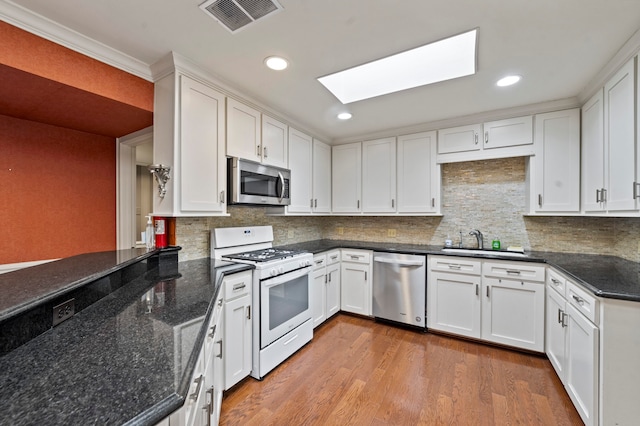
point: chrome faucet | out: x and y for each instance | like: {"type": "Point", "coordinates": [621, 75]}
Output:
{"type": "Point", "coordinates": [479, 237]}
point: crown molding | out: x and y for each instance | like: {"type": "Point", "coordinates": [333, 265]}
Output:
{"type": "Point", "coordinates": [39, 25]}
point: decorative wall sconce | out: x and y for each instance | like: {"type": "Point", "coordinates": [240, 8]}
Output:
{"type": "Point", "coordinates": [161, 173]}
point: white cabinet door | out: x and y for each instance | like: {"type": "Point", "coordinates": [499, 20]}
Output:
{"type": "Point", "coordinates": [459, 139]}
{"type": "Point", "coordinates": [454, 303]}
{"type": "Point", "coordinates": [379, 176]}
{"type": "Point", "coordinates": [202, 159]}
{"type": "Point", "coordinates": [243, 131]}
{"type": "Point", "coordinates": [346, 178]}
{"type": "Point", "coordinates": [581, 380]}
{"type": "Point", "coordinates": [593, 153]}
{"type": "Point", "coordinates": [275, 142]}
{"type": "Point", "coordinates": [513, 313]}
{"type": "Point", "coordinates": [318, 296]}
{"type": "Point", "coordinates": [321, 177]}
{"type": "Point", "coordinates": [557, 175]}
{"type": "Point", "coordinates": [418, 174]}
{"type": "Point", "coordinates": [619, 138]}
{"type": "Point", "coordinates": [555, 346]}
{"type": "Point", "coordinates": [356, 288]}
{"type": "Point", "coordinates": [237, 340]}
{"type": "Point", "coordinates": [332, 305]}
{"type": "Point", "coordinates": [300, 164]}
{"type": "Point", "coordinates": [509, 132]}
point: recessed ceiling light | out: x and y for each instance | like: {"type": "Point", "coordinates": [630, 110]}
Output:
{"type": "Point", "coordinates": [344, 116]}
{"type": "Point", "coordinates": [276, 63]}
{"type": "Point", "coordinates": [508, 80]}
{"type": "Point", "coordinates": [442, 60]}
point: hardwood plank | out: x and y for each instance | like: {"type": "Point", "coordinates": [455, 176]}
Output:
{"type": "Point", "coordinates": [360, 372]}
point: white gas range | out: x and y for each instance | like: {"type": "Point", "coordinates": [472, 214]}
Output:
{"type": "Point", "coordinates": [280, 295]}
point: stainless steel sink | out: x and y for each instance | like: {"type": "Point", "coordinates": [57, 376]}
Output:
{"type": "Point", "coordinates": [493, 253]}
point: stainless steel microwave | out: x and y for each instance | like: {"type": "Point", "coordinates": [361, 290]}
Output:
{"type": "Point", "coordinates": [258, 184]}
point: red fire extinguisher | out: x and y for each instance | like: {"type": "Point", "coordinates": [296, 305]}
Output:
{"type": "Point", "coordinates": [160, 224]}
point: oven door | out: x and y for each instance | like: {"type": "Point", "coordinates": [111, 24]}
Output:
{"type": "Point", "coordinates": [284, 304]}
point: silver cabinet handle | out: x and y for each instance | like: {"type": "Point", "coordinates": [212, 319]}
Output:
{"type": "Point", "coordinates": [486, 137]}
{"type": "Point", "coordinates": [258, 150]}
{"type": "Point", "coordinates": [556, 282]}
{"type": "Point", "coordinates": [559, 316]}
{"type": "Point", "coordinates": [477, 289]}
{"type": "Point", "coordinates": [487, 291]}
{"type": "Point", "coordinates": [358, 202]}
{"type": "Point", "coordinates": [540, 200]}
{"type": "Point", "coordinates": [220, 302]}
{"type": "Point", "coordinates": [264, 152]}
{"type": "Point", "coordinates": [311, 203]}
{"type": "Point", "coordinates": [598, 196]}
{"type": "Point", "coordinates": [198, 381]}
{"type": "Point", "coordinates": [221, 197]}
{"type": "Point", "coordinates": [635, 190]}
{"type": "Point", "coordinates": [210, 391]}
{"type": "Point", "coordinates": [393, 203]}
{"type": "Point", "coordinates": [365, 275]}
{"type": "Point", "coordinates": [334, 257]}
{"type": "Point", "coordinates": [433, 202]}
{"type": "Point", "coordinates": [319, 261]}
{"type": "Point", "coordinates": [315, 203]}
{"type": "Point", "coordinates": [248, 312]}
{"type": "Point", "coordinates": [564, 316]}
{"type": "Point", "coordinates": [237, 287]}
{"type": "Point", "coordinates": [512, 272]}
{"type": "Point", "coordinates": [325, 278]}
{"type": "Point", "coordinates": [452, 266]}
{"type": "Point", "coordinates": [604, 195]}
{"type": "Point", "coordinates": [220, 354]}
{"type": "Point", "coordinates": [578, 299]}
{"type": "Point", "coordinates": [475, 138]}
{"type": "Point", "coordinates": [329, 277]}
{"type": "Point", "coordinates": [213, 331]}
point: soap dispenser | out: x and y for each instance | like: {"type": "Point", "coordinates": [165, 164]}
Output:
{"type": "Point", "coordinates": [495, 244]}
{"type": "Point", "coordinates": [148, 234]}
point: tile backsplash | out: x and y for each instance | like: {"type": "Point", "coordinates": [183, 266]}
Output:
{"type": "Point", "coordinates": [487, 195]}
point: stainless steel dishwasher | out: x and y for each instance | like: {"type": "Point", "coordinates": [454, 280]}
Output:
{"type": "Point", "coordinates": [399, 288]}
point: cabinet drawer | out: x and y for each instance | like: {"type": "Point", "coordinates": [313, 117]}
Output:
{"type": "Point", "coordinates": [455, 264]}
{"type": "Point", "coordinates": [333, 257]}
{"type": "Point", "coordinates": [556, 281]}
{"type": "Point", "coordinates": [237, 285]}
{"type": "Point", "coordinates": [583, 301]}
{"type": "Point", "coordinates": [356, 256]}
{"type": "Point", "coordinates": [514, 270]}
{"type": "Point", "coordinates": [319, 261]}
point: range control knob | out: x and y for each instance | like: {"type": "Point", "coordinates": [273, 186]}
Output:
{"type": "Point", "coordinates": [281, 270]}
{"type": "Point", "coordinates": [273, 272]}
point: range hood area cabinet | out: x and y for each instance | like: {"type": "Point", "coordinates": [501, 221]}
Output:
{"type": "Point", "coordinates": [255, 136]}
{"type": "Point", "coordinates": [386, 176]}
{"type": "Point", "coordinates": [189, 136]}
{"type": "Point", "coordinates": [610, 154]}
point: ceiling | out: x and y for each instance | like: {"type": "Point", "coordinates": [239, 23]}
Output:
{"type": "Point", "coordinates": [558, 46]}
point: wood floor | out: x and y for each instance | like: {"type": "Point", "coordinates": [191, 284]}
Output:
{"type": "Point", "coordinates": [360, 372]}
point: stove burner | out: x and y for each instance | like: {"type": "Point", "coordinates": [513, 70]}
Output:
{"type": "Point", "coordinates": [265, 255]}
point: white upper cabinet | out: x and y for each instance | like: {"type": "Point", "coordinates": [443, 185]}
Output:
{"type": "Point", "coordinates": [300, 164]}
{"type": "Point", "coordinates": [609, 155]}
{"type": "Point", "coordinates": [321, 177]}
{"type": "Point", "coordinates": [346, 178]}
{"type": "Point", "coordinates": [511, 137]}
{"type": "Point", "coordinates": [593, 160]}
{"type": "Point", "coordinates": [189, 134]}
{"type": "Point", "coordinates": [275, 142]}
{"type": "Point", "coordinates": [243, 131]}
{"type": "Point", "coordinates": [510, 132]}
{"type": "Point", "coordinates": [379, 176]}
{"type": "Point", "coordinates": [460, 139]}
{"type": "Point", "coordinates": [418, 174]}
{"type": "Point", "coordinates": [556, 184]}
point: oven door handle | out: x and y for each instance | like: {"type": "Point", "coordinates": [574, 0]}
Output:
{"type": "Point", "coordinates": [281, 279]}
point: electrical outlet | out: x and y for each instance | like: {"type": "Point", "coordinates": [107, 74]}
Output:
{"type": "Point", "coordinates": [63, 311]}
{"type": "Point", "coordinates": [340, 230]}
{"type": "Point", "coordinates": [391, 233]}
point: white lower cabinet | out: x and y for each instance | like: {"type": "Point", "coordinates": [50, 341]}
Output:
{"type": "Point", "coordinates": [572, 344]}
{"type": "Point", "coordinates": [504, 304]}
{"type": "Point", "coordinates": [325, 286]}
{"type": "Point", "coordinates": [237, 328]}
{"type": "Point", "coordinates": [356, 281]}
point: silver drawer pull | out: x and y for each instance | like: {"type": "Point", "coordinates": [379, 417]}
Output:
{"type": "Point", "coordinates": [237, 287]}
{"type": "Point", "coordinates": [452, 266]}
{"type": "Point", "coordinates": [334, 257]}
{"type": "Point", "coordinates": [319, 262]}
{"type": "Point", "coordinates": [512, 272]}
{"type": "Point", "coordinates": [578, 299]}
{"type": "Point", "coordinates": [213, 331]}
{"type": "Point", "coordinates": [556, 282]}
{"type": "Point", "coordinates": [199, 381]}
{"type": "Point", "coordinates": [356, 256]}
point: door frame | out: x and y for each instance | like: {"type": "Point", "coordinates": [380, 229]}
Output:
{"type": "Point", "coordinates": [126, 185]}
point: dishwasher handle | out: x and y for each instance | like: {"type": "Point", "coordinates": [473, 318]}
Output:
{"type": "Point", "coordinates": [401, 263]}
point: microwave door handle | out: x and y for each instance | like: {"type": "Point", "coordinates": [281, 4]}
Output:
{"type": "Point", "coordinates": [280, 193]}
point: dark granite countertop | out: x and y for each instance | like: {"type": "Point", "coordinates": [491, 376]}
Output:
{"type": "Point", "coordinates": [605, 276]}
{"type": "Point", "coordinates": [127, 358]}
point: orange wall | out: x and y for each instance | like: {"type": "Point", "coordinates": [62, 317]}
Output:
{"type": "Point", "coordinates": [57, 191]}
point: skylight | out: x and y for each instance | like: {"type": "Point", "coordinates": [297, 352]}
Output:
{"type": "Point", "coordinates": [442, 60]}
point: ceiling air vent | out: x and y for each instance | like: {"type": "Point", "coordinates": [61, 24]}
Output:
{"type": "Point", "coordinates": [237, 14]}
